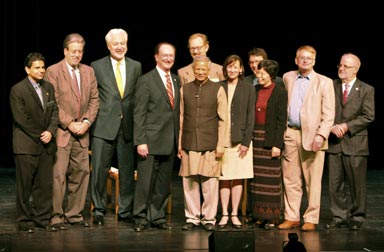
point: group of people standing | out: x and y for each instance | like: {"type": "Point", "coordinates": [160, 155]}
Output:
{"type": "Point", "coordinates": [225, 128]}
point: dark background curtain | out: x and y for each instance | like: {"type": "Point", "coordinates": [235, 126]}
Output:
{"type": "Point", "coordinates": [42, 25]}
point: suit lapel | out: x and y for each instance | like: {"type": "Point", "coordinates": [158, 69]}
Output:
{"type": "Point", "coordinates": [128, 76]}
{"type": "Point", "coordinates": [34, 94]}
{"type": "Point", "coordinates": [176, 88]}
{"type": "Point", "coordinates": [68, 78]}
{"type": "Point", "coordinates": [354, 90]}
{"type": "Point", "coordinates": [159, 83]}
{"type": "Point", "coordinates": [45, 95]}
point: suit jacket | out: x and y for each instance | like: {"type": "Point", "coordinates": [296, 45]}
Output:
{"type": "Point", "coordinates": [186, 74]}
{"type": "Point", "coordinates": [276, 116]}
{"type": "Point", "coordinates": [115, 111]}
{"type": "Point", "coordinates": [31, 119]}
{"type": "Point", "coordinates": [68, 99]}
{"type": "Point", "coordinates": [318, 110]}
{"type": "Point", "coordinates": [358, 112]}
{"type": "Point", "coordinates": [155, 122]}
{"type": "Point", "coordinates": [242, 112]}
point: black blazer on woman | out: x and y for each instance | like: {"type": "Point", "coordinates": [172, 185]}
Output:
{"type": "Point", "coordinates": [242, 112]}
{"type": "Point", "coordinates": [276, 116]}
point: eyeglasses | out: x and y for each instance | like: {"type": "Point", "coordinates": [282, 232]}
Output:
{"type": "Point", "coordinates": [345, 66]}
{"type": "Point", "coordinates": [305, 58]}
{"type": "Point", "coordinates": [197, 48]}
{"type": "Point", "coordinates": [76, 52]}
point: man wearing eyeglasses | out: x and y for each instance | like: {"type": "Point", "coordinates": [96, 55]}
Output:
{"type": "Point", "coordinates": [311, 112]}
{"type": "Point", "coordinates": [78, 102]}
{"type": "Point", "coordinates": [198, 45]}
{"type": "Point", "coordinates": [348, 145]}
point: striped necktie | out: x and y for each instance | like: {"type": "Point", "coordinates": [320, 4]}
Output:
{"type": "Point", "coordinates": [169, 90]}
{"type": "Point", "coordinates": [345, 93]}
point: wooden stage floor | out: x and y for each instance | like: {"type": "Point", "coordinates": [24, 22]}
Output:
{"type": "Point", "coordinates": [120, 236]}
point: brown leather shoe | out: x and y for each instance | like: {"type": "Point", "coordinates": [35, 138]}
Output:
{"type": "Point", "coordinates": [289, 224]}
{"type": "Point", "coordinates": [308, 226]}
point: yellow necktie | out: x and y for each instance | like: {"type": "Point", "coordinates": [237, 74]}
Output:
{"type": "Point", "coordinates": [119, 79]}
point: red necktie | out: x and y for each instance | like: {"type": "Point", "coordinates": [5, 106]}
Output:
{"type": "Point", "coordinates": [345, 93]}
{"type": "Point", "coordinates": [169, 90]}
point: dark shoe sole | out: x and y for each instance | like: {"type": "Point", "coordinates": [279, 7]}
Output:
{"type": "Point", "coordinates": [98, 220]}
{"type": "Point", "coordinates": [188, 227]}
{"type": "Point", "coordinates": [140, 228]}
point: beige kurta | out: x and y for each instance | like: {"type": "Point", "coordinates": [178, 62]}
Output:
{"type": "Point", "coordinates": [206, 164]}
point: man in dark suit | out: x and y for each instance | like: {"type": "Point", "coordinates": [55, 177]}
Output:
{"type": "Point", "coordinates": [78, 101]}
{"type": "Point", "coordinates": [35, 116]}
{"type": "Point", "coordinates": [112, 131]}
{"type": "Point", "coordinates": [156, 131]}
{"type": "Point", "coordinates": [348, 145]}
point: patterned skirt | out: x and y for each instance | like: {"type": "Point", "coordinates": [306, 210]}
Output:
{"type": "Point", "coordinates": [266, 186]}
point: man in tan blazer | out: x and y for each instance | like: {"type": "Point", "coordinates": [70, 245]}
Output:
{"type": "Point", "coordinates": [78, 102]}
{"type": "Point", "coordinates": [198, 45]}
{"type": "Point", "coordinates": [311, 112]}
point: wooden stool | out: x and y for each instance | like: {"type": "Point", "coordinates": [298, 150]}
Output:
{"type": "Point", "coordinates": [113, 178]}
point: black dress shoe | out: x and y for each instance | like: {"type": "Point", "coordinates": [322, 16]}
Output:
{"type": "Point", "coordinates": [140, 227]}
{"type": "Point", "coordinates": [80, 223]}
{"type": "Point", "coordinates": [336, 224]}
{"type": "Point", "coordinates": [127, 219]}
{"type": "Point", "coordinates": [266, 224]}
{"type": "Point", "coordinates": [60, 226]}
{"type": "Point", "coordinates": [209, 227]}
{"type": "Point", "coordinates": [236, 226]}
{"type": "Point", "coordinates": [163, 226]}
{"type": "Point", "coordinates": [27, 229]}
{"type": "Point", "coordinates": [188, 226]}
{"type": "Point", "coordinates": [355, 225]}
{"type": "Point", "coordinates": [98, 220]}
{"type": "Point", "coordinates": [251, 220]}
{"type": "Point", "coordinates": [50, 228]}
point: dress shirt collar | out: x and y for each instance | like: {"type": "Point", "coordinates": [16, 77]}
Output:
{"type": "Point", "coordinates": [163, 73]}
{"type": "Point", "coordinates": [70, 68]}
{"type": "Point", "coordinates": [33, 82]}
{"type": "Point", "coordinates": [350, 83]}
{"type": "Point", "coordinates": [299, 76]}
{"type": "Point", "coordinates": [114, 62]}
